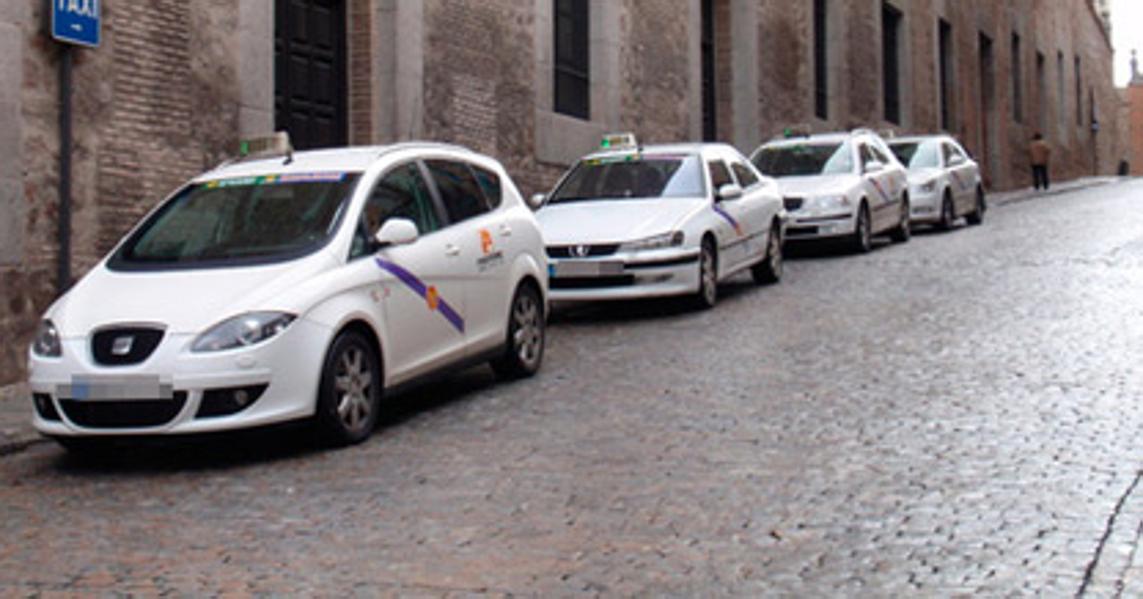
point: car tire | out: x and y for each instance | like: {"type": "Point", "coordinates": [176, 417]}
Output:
{"type": "Point", "coordinates": [524, 344]}
{"type": "Point", "coordinates": [707, 295]}
{"type": "Point", "coordinates": [349, 396]}
{"type": "Point", "coordinates": [903, 231]}
{"type": "Point", "coordinates": [948, 212]}
{"type": "Point", "coordinates": [976, 217]}
{"type": "Point", "coordinates": [862, 239]}
{"type": "Point", "coordinates": [769, 270]}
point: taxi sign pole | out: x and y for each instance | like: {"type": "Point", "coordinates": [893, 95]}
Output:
{"type": "Point", "coordinates": [71, 22]}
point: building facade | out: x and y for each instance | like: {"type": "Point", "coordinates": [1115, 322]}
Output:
{"type": "Point", "coordinates": [1133, 100]}
{"type": "Point", "coordinates": [535, 83]}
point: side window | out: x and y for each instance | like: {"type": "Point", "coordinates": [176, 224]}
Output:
{"type": "Point", "coordinates": [490, 185]}
{"type": "Point", "coordinates": [745, 175]}
{"type": "Point", "coordinates": [866, 155]}
{"type": "Point", "coordinates": [719, 175]}
{"type": "Point", "coordinates": [948, 152]}
{"type": "Point", "coordinates": [460, 192]}
{"type": "Point", "coordinates": [400, 193]}
{"type": "Point", "coordinates": [881, 154]}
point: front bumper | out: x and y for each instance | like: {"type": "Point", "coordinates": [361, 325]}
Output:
{"type": "Point", "coordinates": [809, 226]}
{"type": "Point", "coordinates": [628, 275]}
{"type": "Point", "coordinates": [924, 207]}
{"type": "Point", "coordinates": [287, 366]}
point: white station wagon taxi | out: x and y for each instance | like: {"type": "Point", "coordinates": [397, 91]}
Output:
{"type": "Point", "coordinates": [944, 183]}
{"type": "Point", "coordinates": [839, 186]}
{"type": "Point", "coordinates": [660, 220]}
{"type": "Point", "coordinates": [292, 287]}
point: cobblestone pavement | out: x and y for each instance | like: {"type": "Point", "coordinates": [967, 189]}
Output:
{"type": "Point", "coordinates": [959, 414]}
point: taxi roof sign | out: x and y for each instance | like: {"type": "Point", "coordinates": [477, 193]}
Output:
{"type": "Point", "coordinates": [277, 144]}
{"type": "Point", "coordinates": [619, 141]}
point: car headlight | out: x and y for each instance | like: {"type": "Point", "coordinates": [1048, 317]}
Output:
{"type": "Point", "coordinates": [928, 186]}
{"type": "Point", "coordinates": [47, 341]}
{"type": "Point", "coordinates": [655, 242]}
{"type": "Point", "coordinates": [831, 202]}
{"type": "Point", "coordinates": [242, 331]}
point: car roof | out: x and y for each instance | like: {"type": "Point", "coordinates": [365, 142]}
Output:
{"type": "Point", "coordinates": [679, 148]}
{"type": "Point", "coordinates": [817, 138]}
{"type": "Point", "coordinates": [917, 139]}
{"type": "Point", "coordinates": [351, 159]}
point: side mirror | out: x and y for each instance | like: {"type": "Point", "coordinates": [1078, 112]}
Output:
{"type": "Point", "coordinates": [730, 191]}
{"type": "Point", "coordinates": [537, 201]}
{"type": "Point", "coordinates": [396, 231]}
{"type": "Point", "coordinates": [874, 166]}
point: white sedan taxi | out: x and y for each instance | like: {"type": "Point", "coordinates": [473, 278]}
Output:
{"type": "Point", "coordinates": [663, 220]}
{"type": "Point", "coordinates": [944, 183]}
{"type": "Point", "coordinates": [839, 186]}
{"type": "Point", "coordinates": [283, 287]}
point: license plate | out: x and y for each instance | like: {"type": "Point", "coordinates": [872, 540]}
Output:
{"type": "Point", "coordinates": [116, 388]}
{"type": "Point", "coordinates": [587, 268]}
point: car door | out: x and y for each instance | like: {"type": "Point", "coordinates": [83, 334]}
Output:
{"type": "Point", "coordinates": [758, 211]}
{"type": "Point", "coordinates": [469, 194]}
{"type": "Point", "coordinates": [421, 290]}
{"type": "Point", "coordinates": [877, 188]}
{"type": "Point", "coordinates": [963, 176]}
{"type": "Point", "coordinates": [729, 228]}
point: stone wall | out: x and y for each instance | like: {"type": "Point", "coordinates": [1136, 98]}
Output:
{"type": "Point", "coordinates": [1134, 113]}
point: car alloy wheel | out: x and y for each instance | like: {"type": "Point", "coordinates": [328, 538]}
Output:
{"type": "Point", "coordinates": [863, 231]}
{"type": "Point", "coordinates": [769, 270]}
{"type": "Point", "coordinates": [903, 231]}
{"type": "Point", "coordinates": [977, 215]}
{"type": "Point", "coordinates": [524, 350]}
{"type": "Point", "coordinates": [708, 276]}
{"type": "Point", "coordinates": [948, 213]}
{"type": "Point", "coordinates": [350, 390]}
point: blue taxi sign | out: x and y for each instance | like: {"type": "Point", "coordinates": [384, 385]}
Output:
{"type": "Point", "coordinates": [76, 22]}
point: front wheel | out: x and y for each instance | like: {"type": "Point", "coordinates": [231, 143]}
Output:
{"type": "Point", "coordinates": [862, 240]}
{"type": "Point", "coordinates": [903, 231]}
{"type": "Point", "coordinates": [977, 215]}
{"type": "Point", "coordinates": [948, 213]}
{"type": "Point", "coordinates": [769, 270]}
{"type": "Point", "coordinates": [707, 295]}
{"type": "Point", "coordinates": [349, 397]}
{"type": "Point", "coordinates": [524, 346]}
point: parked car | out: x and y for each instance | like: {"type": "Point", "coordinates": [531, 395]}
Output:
{"type": "Point", "coordinates": [662, 220]}
{"type": "Point", "coordinates": [944, 182]}
{"type": "Point", "coordinates": [296, 286]}
{"type": "Point", "coordinates": [839, 186]}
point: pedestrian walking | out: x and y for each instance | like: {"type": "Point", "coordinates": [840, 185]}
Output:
{"type": "Point", "coordinates": [1039, 154]}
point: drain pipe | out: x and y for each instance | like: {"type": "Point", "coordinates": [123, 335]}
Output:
{"type": "Point", "coordinates": [63, 265]}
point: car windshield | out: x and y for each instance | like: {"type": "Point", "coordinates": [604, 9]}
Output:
{"type": "Point", "coordinates": [252, 219]}
{"type": "Point", "coordinates": [918, 155]}
{"type": "Point", "coordinates": [805, 159]}
{"type": "Point", "coordinates": [633, 176]}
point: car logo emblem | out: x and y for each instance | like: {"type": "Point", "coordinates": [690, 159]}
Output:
{"type": "Point", "coordinates": [122, 345]}
{"type": "Point", "coordinates": [580, 251]}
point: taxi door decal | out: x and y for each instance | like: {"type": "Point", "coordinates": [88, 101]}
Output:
{"type": "Point", "coordinates": [432, 297]}
{"type": "Point", "coordinates": [880, 189]}
{"type": "Point", "coordinates": [730, 219]}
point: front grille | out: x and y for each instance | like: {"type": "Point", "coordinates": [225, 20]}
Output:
{"type": "Point", "coordinates": [797, 231]}
{"type": "Point", "coordinates": [793, 203]}
{"type": "Point", "coordinates": [123, 346]}
{"type": "Point", "coordinates": [591, 282]}
{"type": "Point", "coordinates": [124, 414]}
{"type": "Point", "coordinates": [570, 251]}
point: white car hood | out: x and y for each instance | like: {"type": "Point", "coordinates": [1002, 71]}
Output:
{"type": "Point", "coordinates": [614, 221]}
{"type": "Point", "coordinates": [818, 185]}
{"type": "Point", "coordinates": [924, 175]}
{"type": "Point", "coordinates": [185, 301]}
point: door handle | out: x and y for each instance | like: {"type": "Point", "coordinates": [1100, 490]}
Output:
{"type": "Point", "coordinates": [452, 250]}
{"type": "Point", "coordinates": [506, 230]}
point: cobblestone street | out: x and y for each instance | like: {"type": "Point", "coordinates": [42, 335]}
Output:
{"type": "Point", "coordinates": [958, 414]}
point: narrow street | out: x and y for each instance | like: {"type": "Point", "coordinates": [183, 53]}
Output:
{"type": "Point", "coordinates": [961, 413]}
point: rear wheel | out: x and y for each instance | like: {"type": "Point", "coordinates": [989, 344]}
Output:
{"type": "Point", "coordinates": [977, 215]}
{"type": "Point", "coordinates": [904, 230]}
{"type": "Point", "coordinates": [350, 394]}
{"type": "Point", "coordinates": [862, 239]}
{"type": "Point", "coordinates": [707, 295]}
{"type": "Point", "coordinates": [524, 347]}
{"type": "Point", "coordinates": [769, 270]}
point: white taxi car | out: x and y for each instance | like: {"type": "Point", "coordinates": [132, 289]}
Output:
{"type": "Point", "coordinates": [846, 186]}
{"type": "Point", "coordinates": [276, 289]}
{"type": "Point", "coordinates": [660, 220]}
{"type": "Point", "coordinates": [944, 183]}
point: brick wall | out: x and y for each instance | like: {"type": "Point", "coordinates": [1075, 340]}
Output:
{"type": "Point", "coordinates": [1135, 116]}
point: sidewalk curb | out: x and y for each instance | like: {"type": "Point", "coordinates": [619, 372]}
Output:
{"type": "Point", "coordinates": [1028, 194]}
